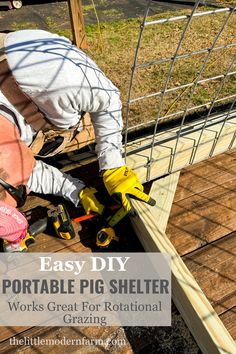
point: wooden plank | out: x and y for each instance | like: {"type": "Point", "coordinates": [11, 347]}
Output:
{"type": "Point", "coordinates": [48, 243]}
{"type": "Point", "coordinates": [34, 201]}
{"type": "Point", "coordinates": [162, 153]}
{"type": "Point", "coordinates": [206, 327]}
{"type": "Point", "coordinates": [139, 150]}
{"type": "Point", "coordinates": [68, 333]}
{"type": "Point", "coordinates": [77, 23]}
{"type": "Point", "coordinates": [203, 218]}
{"type": "Point", "coordinates": [164, 190]}
{"type": "Point", "coordinates": [214, 268]}
{"type": "Point", "coordinates": [229, 320]}
{"type": "Point", "coordinates": [205, 175]}
{"type": "Point", "coordinates": [8, 332]}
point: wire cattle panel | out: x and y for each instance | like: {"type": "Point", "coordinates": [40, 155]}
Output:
{"type": "Point", "coordinates": [184, 71]}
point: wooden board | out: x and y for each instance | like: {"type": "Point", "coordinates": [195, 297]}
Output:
{"type": "Point", "coordinates": [162, 153]}
{"type": "Point", "coordinates": [164, 191]}
{"type": "Point", "coordinates": [206, 174]}
{"type": "Point", "coordinates": [48, 243]}
{"type": "Point", "coordinates": [77, 23]}
{"type": "Point", "coordinates": [139, 150]}
{"type": "Point", "coordinates": [68, 333]}
{"type": "Point", "coordinates": [229, 320]}
{"type": "Point", "coordinates": [203, 218]}
{"type": "Point", "coordinates": [214, 268]}
{"type": "Point", "coordinates": [206, 327]}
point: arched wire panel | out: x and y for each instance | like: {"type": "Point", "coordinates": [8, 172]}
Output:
{"type": "Point", "coordinates": [185, 83]}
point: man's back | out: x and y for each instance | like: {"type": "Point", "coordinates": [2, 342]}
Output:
{"type": "Point", "coordinates": [60, 78]}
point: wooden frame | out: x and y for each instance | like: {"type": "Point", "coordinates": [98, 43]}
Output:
{"type": "Point", "coordinates": [200, 317]}
{"type": "Point", "coordinates": [164, 191]}
{"type": "Point", "coordinates": [138, 150]}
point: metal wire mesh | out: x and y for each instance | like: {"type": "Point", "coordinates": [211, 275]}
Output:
{"type": "Point", "coordinates": [215, 81]}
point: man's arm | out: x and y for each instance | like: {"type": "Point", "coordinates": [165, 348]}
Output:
{"type": "Point", "coordinates": [108, 131]}
{"type": "Point", "coordinates": [46, 179]}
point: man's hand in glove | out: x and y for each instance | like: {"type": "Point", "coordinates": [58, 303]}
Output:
{"type": "Point", "coordinates": [122, 184]}
{"type": "Point", "coordinates": [89, 201]}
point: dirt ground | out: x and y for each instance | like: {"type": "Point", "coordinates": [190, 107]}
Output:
{"type": "Point", "coordinates": [48, 15]}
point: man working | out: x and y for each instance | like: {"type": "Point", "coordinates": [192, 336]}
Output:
{"type": "Point", "coordinates": [63, 82]}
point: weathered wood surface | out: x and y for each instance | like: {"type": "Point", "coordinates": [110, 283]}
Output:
{"type": "Point", "coordinates": [203, 217]}
{"type": "Point", "coordinates": [229, 320]}
{"type": "Point", "coordinates": [218, 171]}
{"type": "Point", "coordinates": [130, 339]}
{"type": "Point", "coordinates": [8, 332]}
{"type": "Point", "coordinates": [49, 243]}
{"type": "Point", "coordinates": [214, 268]}
{"type": "Point", "coordinates": [206, 174]}
{"type": "Point", "coordinates": [79, 334]}
{"type": "Point", "coordinates": [202, 320]}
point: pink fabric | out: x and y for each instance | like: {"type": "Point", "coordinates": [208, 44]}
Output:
{"type": "Point", "coordinates": [13, 225]}
{"type": "Point", "coordinates": [16, 159]}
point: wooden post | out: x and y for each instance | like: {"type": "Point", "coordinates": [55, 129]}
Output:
{"type": "Point", "coordinates": [77, 23]}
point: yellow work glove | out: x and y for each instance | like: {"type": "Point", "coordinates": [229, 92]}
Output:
{"type": "Point", "coordinates": [89, 201]}
{"type": "Point", "coordinates": [122, 184]}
